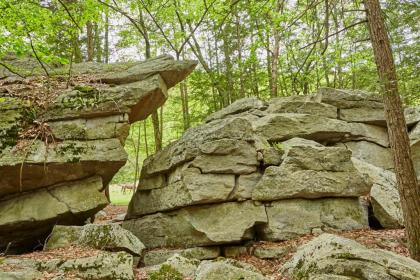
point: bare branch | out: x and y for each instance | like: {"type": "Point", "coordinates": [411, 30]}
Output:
{"type": "Point", "coordinates": [70, 15]}
{"type": "Point", "coordinates": [118, 10]}
{"type": "Point", "coordinates": [11, 70]}
{"type": "Point", "coordinates": [335, 33]}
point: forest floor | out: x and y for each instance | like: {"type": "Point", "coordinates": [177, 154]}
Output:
{"type": "Point", "coordinates": [390, 240]}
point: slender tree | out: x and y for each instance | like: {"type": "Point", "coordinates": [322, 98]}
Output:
{"type": "Point", "coordinates": [408, 186]}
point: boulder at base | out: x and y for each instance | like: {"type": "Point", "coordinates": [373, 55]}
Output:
{"type": "Point", "coordinates": [332, 257]}
{"type": "Point", "coordinates": [110, 237]}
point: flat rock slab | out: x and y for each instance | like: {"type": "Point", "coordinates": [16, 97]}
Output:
{"type": "Point", "coordinates": [193, 226]}
{"type": "Point", "coordinates": [102, 266]}
{"type": "Point", "coordinates": [291, 218]}
{"type": "Point", "coordinates": [281, 127]}
{"type": "Point", "coordinates": [370, 153]}
{"type": "Point", "coordinates": [384, 195]}
{"type": "Point", "coordinates": [159, 256]}
{"type": "Point", "coordinates": [333, 257]}
{"type": "Point", "coordinates": [110, 237]}
{"type": "Point", "coordinates": [227, 269]}
{"type": "Point", "coordinates": [310, 170]}
{"type": "Point", "coordinates": [66, 161]}
{"type": "Point", "coordinates": [29, 217]}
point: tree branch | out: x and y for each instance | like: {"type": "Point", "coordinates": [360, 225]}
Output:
{"type": "Point", "coordinates": [11, 70]}
{"type": "Point", "coordinates": [335, 33]}
{"type": "Point", "coordinates": [70, 15]}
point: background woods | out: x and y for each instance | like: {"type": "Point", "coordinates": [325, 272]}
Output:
{"type": "Point", "coordinates": [245, 48]}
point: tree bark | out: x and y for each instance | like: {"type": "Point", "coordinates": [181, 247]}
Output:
{"type": "Point", "coordinates": [90, 42]}
{"type": "Point", "coordinates": [276, 53]}
{"type": "Point", "coordinates": [408, 187]}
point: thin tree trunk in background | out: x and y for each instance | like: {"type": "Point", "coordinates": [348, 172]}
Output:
{"type": "Point", "coordinates": [90, 42]}
{"type": "Point", "coordinates": [408, 187]}
{"type": "Point", "coordinates": [77, 52]}
{"type": "Point", "coordinates": [146, 146]}
{"type": "Point", "coordinates": [269, 63]}
{"type": "Point", "coordinates": [239, 59]}
{"type": "Point", "coordinates": [106, 43]}
{"type": "Point", "coordinates": [98, 48]}
{"type": "Point", "coordinates": [276, 52]}
{"type": "Point", "coordinates": [136, 172]}
{"type": "Point", "coordinates": [227, 53]}
{"type": "Point", "coordinates": [155, 117]}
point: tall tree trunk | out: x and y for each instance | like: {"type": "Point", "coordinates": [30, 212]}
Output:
{"type": "Point", "coordinates": [106, 43]}
{"type": "Point", "coordinates": [408, 187]}
{"type": "Point", "coordinates": [90, 41]}
{"type": "Point", "coordinates": [239, 59]}
{"type": "Point", "coordinates": [146, 146]}
{"type": "Point", "coordinates": [155, 117]}
{"type": "Point", "coordinates": [98, 47]}
{"type": "Point", "coordinates": [276, 53]}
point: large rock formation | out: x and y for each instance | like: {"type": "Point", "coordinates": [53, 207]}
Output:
{"type": "Point", "coordinates": [57, 158]}
{"type": "Point", "coordinates": [270, 171]}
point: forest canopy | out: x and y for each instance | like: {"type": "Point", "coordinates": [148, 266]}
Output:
{"type": "Point", "coordinates": [262, 48]}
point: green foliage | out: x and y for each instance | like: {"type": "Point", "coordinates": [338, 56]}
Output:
{"type": "Point", "coordinates": [233, 40]}
{"type": "Point", "coordinates": [166, 272]}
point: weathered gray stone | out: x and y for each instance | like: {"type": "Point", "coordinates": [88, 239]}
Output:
{"type": "Point", "coordinates": [65, 161]}
{"type": "Point", "coordinates": [195, 188]}
{"type": "Point", "coordinates": [347, 99]}
{"type": "Point", "coordinates": [18, 269]}
{"type": "Point", "coordinates": [337, 256]}
{"type": "Point", "coordinates": [291, 218]}
{"type": "Point", "coordinates": [115, 126]}
{"type": "Point", "coordinates": [228, 270]}
{"type": "Point", "coordinates": [415, 153]}
{"type": "Point", "coordinates": [384, 195]}
{"type": "Point", "coordinates": [11, 118]}
{"type": "Point", "coordinates": [285, 105]}
{"type": "Point", "coordinates": [193, 226]}
{"type": "Point", "coordinates": [270, 251]}
{"type": "Point", "coordinates": [235, 251]}
{"type": "Point", "coordinates": [310, 170]}
{"type": "Point", "coordinates": [137, 99]}
{"type": "Point", "coordinates": [239, 106]}
{"type": "Point", "coordinates": [172, 71]}
{"type": "Point", "coordinates": [415, 134]}
{"type": "Point", "coordinates": [245, 186]}
{"type": "Point", "coordinates": [280, 127]}
{"type": "Point", "coordinates": [370, 153]}
{"type": "Point", "coordinates": [185, 266]}
{"type": "Point", "coordinates": [103, 266]}
{"type": "Point", "coordinates": [155, 182]}
{"type": "Point", "coordinates": [242, 159]}
{"type": "Point", "coordinates": [110, 237]}
{"type": "Point", "coordinates": [187, 148]}
{"type": "Point", "coordinates": [412, 115]}
{"type": "Point", "coordinates": [29, 217]}
{"type": "Point", "coordinates": [159, 256]}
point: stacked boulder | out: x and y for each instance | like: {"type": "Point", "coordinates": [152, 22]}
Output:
{"type": "Point", "coordinates": [270, 171]}
{"type": "Point", "coordinates": [64, 181]}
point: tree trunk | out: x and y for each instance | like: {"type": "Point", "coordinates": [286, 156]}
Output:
{"type": "Point", "coordinates": [90, 42]}
{"type": "Point", "coordinates": [155, 116]}
{"type": "Point", "coordinates": [98, 47]}
{"type": "Point", "coordinates": [408, 186]}
{"type": "Point", "coordinates": [106, 43]}
{"type": "Point", "coordinates": [276, 52]}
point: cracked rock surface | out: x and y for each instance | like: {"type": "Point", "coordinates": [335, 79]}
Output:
{"type": "Point", "coordinates": [64, 181]}
{"type": "Point", "coordinates": [274, 170]}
